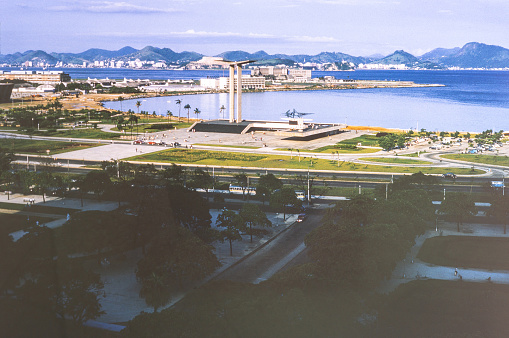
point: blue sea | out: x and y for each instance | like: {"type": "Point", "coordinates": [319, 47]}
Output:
{"type": "Point", "coordinates": [470, 101]}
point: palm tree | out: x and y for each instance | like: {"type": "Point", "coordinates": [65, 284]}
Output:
{"type": "Point", "coordinates": [169, 114]}
{"type": "Point", "coordinates": [120, 99]}
{"type": "Point", "coordinates": [179, 102]}
{"type": "Point", "coordinates": [197, 112]}
{"type": "Point", "coordinates": [221, 111]}
{"type": "Point", "coordinates": [187, 106]}
{"type": "Point", "coordinates": [138, 104]}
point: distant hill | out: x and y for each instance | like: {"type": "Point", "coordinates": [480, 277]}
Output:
{"type": "Point", "coordinates": [472, 55]}
{"type": "Point", "coordinates": [399, 57]}
{"type": "Point", "coordinates": [478, 55]}
{"type": "Point", "coordinates": [437, 55]}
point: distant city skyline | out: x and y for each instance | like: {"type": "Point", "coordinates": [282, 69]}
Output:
{"type": "Point", "coordinates": [355, 27]}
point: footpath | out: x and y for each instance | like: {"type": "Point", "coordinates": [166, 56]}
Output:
{"type": "Point", "coordinates": [411, 268]}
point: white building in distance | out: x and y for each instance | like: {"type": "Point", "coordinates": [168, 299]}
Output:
{"type": "Point", "coordinates": [221, 83]}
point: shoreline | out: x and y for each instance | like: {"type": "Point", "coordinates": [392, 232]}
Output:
{"type": "Point", "coordinates": [86, 102]}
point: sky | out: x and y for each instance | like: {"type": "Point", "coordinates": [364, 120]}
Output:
{"type": "Point", "coordinates": [209, 27]}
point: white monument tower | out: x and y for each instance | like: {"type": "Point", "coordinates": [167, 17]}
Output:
{"type": "Point", "coordinates": [238, 65]}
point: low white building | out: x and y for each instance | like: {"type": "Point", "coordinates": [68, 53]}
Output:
{"type": "Point", "coordinates": [221, 83]}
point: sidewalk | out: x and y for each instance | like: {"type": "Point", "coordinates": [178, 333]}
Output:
{"type": "Point", "coordinates": [411, 268]}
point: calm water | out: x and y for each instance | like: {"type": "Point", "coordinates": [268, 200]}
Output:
{"type": "Point", "coordinates": [471, 100]}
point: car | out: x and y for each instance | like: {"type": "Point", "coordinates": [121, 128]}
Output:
{"type": "Point", "coordinates": [138, 142]}
{"type": "Point", "coordinates": [152, 143]}
{"type": "Point", "coordinates": [449, 175]}
{"type": "Point", "coordinates": [301, 217]}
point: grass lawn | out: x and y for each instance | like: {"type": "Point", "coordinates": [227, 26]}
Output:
{"type": "Point", "coordinates": [153, 127]}
{"type": "Point", "coordinates": [333, 149]}
{"type": "Point", "coordinates": [80, 133]}
{"type": "Point", "coordinates": [14, 222]}
{"type": "Point", "coordinates": [484, 159]}
{"type": "Point", "coordinates": [467, 252]}
{"type": "Point", "coordinates": [365, 140]}
{"type": "Point", "coordinates": [220, 158]}
{"type": "Point", "coordinates": [401, 160]}
{"type": "Point", "coordinates": [434, 308]}
{"type": "Point", "coordinates": [414, 154]}
{"type": "Point", "coordinates": [226, 146]}
{"type": "Point", "coordinates": [39, 147]}
{"type": "Point", "coordinates": [39, 208]}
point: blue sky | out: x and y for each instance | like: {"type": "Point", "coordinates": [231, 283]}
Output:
{"type": "Point", "coordinates": [356, 27]}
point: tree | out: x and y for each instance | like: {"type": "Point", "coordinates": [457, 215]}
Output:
{"type": "Point", "coordinates": [387, 142]}
{"type": "Point", "coordinates": [197, 112]}
{"type": "Point", "coordinates": [176, 257]}
{"type": "Point", "coordinates": [284, 198]}
{"type": "Point", "coordinates": [201, 179]}
{"type": "Point", "coordinates": [138, 104]}
{"type": "Point", "coordinates": [233, 224]}
{"type": "Point", "coordinates": [5, 161]}
{"type": "Point", "coordinates": [96, 181]}
{"type": "Point", "coordinates": [270, 182]}
{"type": "Point", "coordinates": [188, 107]}
{"type": "Point", "coordinates": [221, 110]}
{"type": "Point", "coordinates": [252, 215]}
{"type": "Point", "coordinates": [169, 114]}
{"type": "Point", "coordinates": [242, 181]}
{"type": "Point", "coordinates": [499, 210]}
{"type": "Point", "coordinates": [458, 206]}
{"type": "Point", "coordinates": [120, 99]}
{"type": "Point", "coordinates": [179, 102]}
{"type": "Point", "coordinates": [175, 174]}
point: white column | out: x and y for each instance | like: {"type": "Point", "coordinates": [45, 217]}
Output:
{"type": "Point", "coordinates": [232, 93]}
{"type": "Point", "coordinates": [239, 93]}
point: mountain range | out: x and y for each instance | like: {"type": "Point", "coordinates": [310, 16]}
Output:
{"type": "Point", "coordinates": [471, 55]}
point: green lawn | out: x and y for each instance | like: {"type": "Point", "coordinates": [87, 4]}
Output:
{"type": "Point", "coordinates": [40, 147]}
{"type": "Point", "coordinates": [366, 140]}
{"type": "Point", "coordinates": [226, 146]}
{"type": "Point", "coordinates": [220, 158]}
{"type": "Point", "coordinates": [414, 154]}
{"type": "Point", "coordinates": [484, 159]}
{"type": "Point", "coordinates": [14, 222]}
{"type": "Point", "coordinates": [401, 160]}
{"type": "Point", "coordinates": [467, 252]}
{"type": "Point", "coordinates": [153, 127]}
{"type": "Point", "coordinates": [433, 308]}
{"type": "Point", "coordinates": [91, 133]}
{"type": "Point", "coordinates": [333, 149]}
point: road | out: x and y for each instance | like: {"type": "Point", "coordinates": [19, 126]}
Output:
{"type": "Point", "coordinates": [277, 253]}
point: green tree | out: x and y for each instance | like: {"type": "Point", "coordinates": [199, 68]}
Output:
{"type": "Point", "coordinates": [188, 107]}
{"type": "Point", "coordinates": [176, 257]}
{"type": "Point", "coordinates": [242, 181]}
{"type": "Point", "coordinates": [387, 142]}
{"type": "Point", "coordinates": [253, 216]}
{"type": "Point", "coordinates": [270, 182]}
{"type": "Point", "coordinates": [458, 206]}
{"type": "Point", "coordinates": [284, 198]}
{"type": "Point", "coordinates": [499, 209]}
{"type": "Point", "coordinates": [120, 99]}
{"type": "Point", "coordinates": [97, 182]}
{"type": "Point", "coordinates": [179, 102]}
{"type": "Point", "coordinates": [233, 224]}
{"type": "Point", "coordinates": [197, 112]}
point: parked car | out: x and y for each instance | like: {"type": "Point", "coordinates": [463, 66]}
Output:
{"type": "Point", "coordinates": [138, 142]}
{"type": "Point", "coordinates": [449, 175]}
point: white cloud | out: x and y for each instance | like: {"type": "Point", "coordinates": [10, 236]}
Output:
{"type": "Point", "coordinates": [108, 7]}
